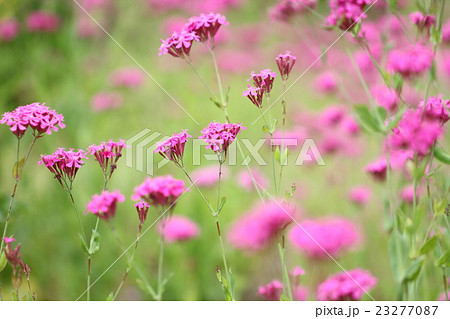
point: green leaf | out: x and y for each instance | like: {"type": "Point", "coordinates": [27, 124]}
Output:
{"type": "Point", "coordinates": [94, 245]}
{"type": "Point", "coordinates": [217, 103]}
{"type": "Point", "coordinates": [83, 244]}
{"type": "Point", "coordinates": [444, 260]}
{"type": "Point", "coordinates": [265, 129]}
{"type": "Point", "coordinates": [232, 282]}
{"type": "Point", "coordinates": [273, 125]}
{"type": "Point", "coordinates": [110, 297]}
{"type": "Point", "coordinates": [283, 297]}
{"type": "Point", "coordinates": [3, 261]}
{"type": "Point", "coordinates": [429, 245]}
{"type": "Point", "coordinates": [221, 204]}
{"type": "Point", "coordinates": [440, 206]}
{"type": "Point", "coordinates": [366, 118]}
{"type": "Point", "coordinates": [441, 155]}
{"type": "Point", "coordinates": [277, 154]}
{"type": "Point", "coordinates": [413, 270]}
{"type": "Point", "coordinates": [435, 35]}
{"type": "Point", "coordinates": [17, 169]}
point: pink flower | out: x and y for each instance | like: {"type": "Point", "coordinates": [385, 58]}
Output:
{"type": "Point", "coordinates": [360, 195]}
{"type": "Point", "coordinates": [179, 44]}
{"type": "Point", "coordinates": [377, 169]}
{"type": "Point", "coordinates": [142, 210]}
{"type": "Point", "coordinates": [351, 285]}
{"type": "Point", "coordinates": [407, 194]}
{"type": "Point", "coordinates": [349, 125]}
{"type": "Point", "coordinates": [254, 230]}
{"type": "Point", "coordinates": [9, 28]}
{"type": "Point", "coordinates": [300, 293]}
{"type": "Point", "coordinates": [285, 63]}
{"type": "Point", "coordinates": [219, 137]}
{"type": "Point", "coordinates": [446, 32]}
{"type": "Point", "coordinates": [292, 138]}
{"type": "Point", "coordinates": [286, 10]}
{"type": "Point", "coordinates": [297, 271]}
{"type": "Point", "coordinates": [205, 26]}
{"type": "Point", "coordinates": [129, 78]}
{"type": "Point", "coordinates": [386, 97]}
{"type": "Point", "coordinates": [173, 148]}
{"type": "Point", "coordinates": [107, 155]}
{"type": "Point", "coordinates": [13, 256]}
{"type": "Point", "coordinates": [437, 109]}
{"type": "Point", "coordinates": [422, 21]}
{"type": "Point", "coordinates": [443, 297]}
{"type": "Point", "coordinates": [272, 291]}
{"type": "Point", "coordinates": [178, 229]}
{"type": "Point", "coordinates": [316, 238]}
{"type": "Point", "coordinates": [37, 116]}
{"type": "Point", "coordinates": [105, 100]}
{"type": "Point", "coordinates": [255, 95]}
{"type": "Point", "coordinates": [105, 204]}
{"type": "Point", "coordinates": [64, 165]}
{"type": "Point", "coordinates": [346, 13]}
{"type": "Point", "coordinates": [209, 176]}
{"type": "Point", "coordinates": [42, 21]}
{"type": "Point", "coordinates": [410, 62]}
{"type": "Point", "coordinates": [326, 83]}
{"type": "Point", "coordinates": [263, 80]}
{"type": "Point", "coordinates": [332, 115]}
{"type": "Point", "coordinates": [159, 191]}
{"type": "Point", "coordinates": [8, 240]}
{"type": "Point", "coordinates": [245, 181]}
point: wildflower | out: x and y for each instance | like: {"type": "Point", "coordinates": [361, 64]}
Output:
{"type": "Point", "coordinates": [142, 210]}
{"type": "Point", "coordinates": [263, 80]}
{"type": "Point", "coordinates": [377, 169]}
{"type": "Point", "coordinates": [9, 28]}
{"type": "Point", "coordinates": [37, 116]}
{"type": "Point", "coordinates": [209, 176]}
{"type": "Point", "coordinates": [107, 155]}
{"type": "Point", "coordinates": [159, 191]}
{"type": "Point", "coordinates": [104, 100]}
{"type": "Point", "coordinates": [297, 271]}
{"type": "Point", "coordinates": [386, 98]}
{"type": "Point", "coordinates": [42, 21]}
{"type": "Point", "coordinates": [255, 229]}
{"type": "Point", "coordinates": [410, 62]}
{"type": "Point", "coordinates": [286, 10]}
{"type": "Point", "coordinates": [173, 148]}
{"type": "Point", "coordinates": [360, 195]}
{"type": "Point", "coordinates": [346, 13]}
{"type": "Point", "coordinates": [178, 229]}
{"type": "Point", "coordinates": [272, 291]}
{"type": "Point", "coordinates": [285, 63]}
{"type": "Point", "coordinates": [255, 95]}
{"type": "Point", "coordinates": [326, 83]}
{"type": "Point", "coordinates": [64, 165]}
{"type": "Point", "coordinates": [179, 44]}
{"type": "Point", "coordinates": [437, 109]}
{"type": "Point", "coordinates": [446, 32]}
{"type": "Point", "coordinates": [128, 78]}
{"type": "Point", "coordinates": [245, 181]}
{"type": "Point", "coordinates": [205, 26]}
{"type": "Point", "coordinates": [422, 21]}
{"type": "Point", "coordinates": [318, 238]}
{"type": "Point", "coordinates": [332, 115]}
{"type": "Point", "coordinates": [407, 194]}
{"type": "Point", "coordinates": [105, 204]}
{"type": "Point", "coordinates": [219, 137]}
{"type": "Point", "coordinates": [13, 256]}
{"type": "Point", "coordinates": [351, 285]}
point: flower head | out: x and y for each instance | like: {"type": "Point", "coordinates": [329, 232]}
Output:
{"type": "Point", "coordinates": [272, 291]}
{"type": "Point", "coordinates": [64, 165]}
{"type": "Point", "coordinates": [142, 210]}
{"type": "Point", "coordinates": [9, 28]}
{"type": "Point", "coordinates": [219, 137]}
{"type": "Point", "coordinates": [286, 10]}
{"type": "Point", "coordinates": [177, 229]}
{"type": "Point", "coordinates": [386, 97]}
{"type": "Point", "coordinates": [105, 204]}
{"type": "Point", "coordinates": [36, 116]}
{"type": "Point", "coordinates": [208, 176]}
{"type": "Point", "coordinates": [173, 147]}
{"type": "Point", "coordinates": [263, 80]}
{"type": "Point", "coordinates": [205, 26]}
{"type": "Point", "coordinates": [346, 13]}
{"type": "Point", "coordinates": [42, 21]}
{"type": "Point", "coordinates": [285, 63]}
{"type": "Point", "coordinates": [377, 169]}
{"type": "Point", "coordinates": [360, 195]}
{"type": "Point", "coordinates": [437, 109]}
{"type": "Point", "coordinates": [107, 154]}
{"type": "Point", "coordinates": [179, 44]}
{"type": "Point", "coordinates": [159, 191]}
{"type": "Point", "coordinates": [13, 256]}
{"type": "Point", "coordinates": [128, 78]}
{"type": "Point", "coordinates": [351, 285]}
{"type": "Point", "coordinates": [255, 95]}
{"type": "Point", "coordinates": [422, 21]}
{"type": "Point", "coordinates": [410, 62]}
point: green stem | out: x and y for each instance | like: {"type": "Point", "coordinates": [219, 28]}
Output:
{"type": "Point", "coordinates": [287, 291]}
{"type": "Point", "coordinates": [219, 81]}
{"type": "Point", "coordinates": [161, 261]}
{"type": "Point", "coordinates": [202, 80]}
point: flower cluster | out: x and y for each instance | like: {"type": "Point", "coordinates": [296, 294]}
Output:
{"type": "Point", "coordinates": [105, 204]}
{"type": "Point", "coordinates": [42, 21]}
{"type": "Point", "coordinates": [173, 147]}
{"type": "Point", "coordinates": [386, 97]}
{"type": "Point", "coordinates": [285, 63]}
{"type": "Point", "coordinates": [263, 84]}
{"type": "Point", "coordinates": [436, 109]}
{"type": "Point", "coordinates": [255, 229]}
{"type": "Point", "coordinates": [422, 21]}
{"type": "Point", "coordinates": [128, 78]}
{"type": "Point", "coordinates": [205, 26]}
{"type": "Point", "coordinates": [346, 13]}
{"type": "Point", "coordinates": [286, 10]}
{"type": "Point", "coordinates": [9, 28]}
{"type": "Point", "coordinates": [346, 286]}
{"type": "Point", "coordinates": [107, 155]}
{"type": "Point", "coordinates": [255, 95]}
{"type": "Point", "coordinates": [13, 256]}
{"type": "Point", "coordinates": [64, 165]}
{"type": "Point", "coordinates": [330, 236]}
{"type": "Point", "coordinates": [177, 229]}
{"type": "Point", "coordinates": [159, 191]}
{"type": "Point", "coordinates": [219, 137]}
{"type": "Point", "coordinates": [179, 44]}
{"type": "Point", "coordinates": [37, 116]}
{"type": "Point", "coordinates": [410, 62]}
{"type": "Point", "coordinates": [272, 291]}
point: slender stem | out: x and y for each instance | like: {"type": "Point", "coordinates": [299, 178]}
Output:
{"type": "Point", "coordinates": [161, 261]}
{"type": "Point", "coordinates": [219, 81]}
{"type": "Point", "coordinates": [202, 80]}
{"type": "Point", "coordinates": [361, 77]}
{"type": "Point", "coordinates": [224, 258]}
{"type": "Point", "coordinates": [77, 213]}
{"type": "Point", "coordinates": [286, 282]}
{"type": "Point", "coordinates": [129, 267]}
{"type": "Point", "coordinates": [218, 186]}
{"type": "Point", "coordinates": [444, 278]}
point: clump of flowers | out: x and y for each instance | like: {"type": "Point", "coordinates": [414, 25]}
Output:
{"type": "Point", "coordinates": [105, 204]}
{"type": "Point", "coordinates": [42, 21]}
{"type": "Point", "coordinates": [9, 28]}
{"type": "Point", "coordinates": [285, 63]}
{"type": "Point", "coordinates": [422, 21]}
{"type": "Point", "coordinates": [346, 286]}
{"type": "Point", "coordinates": [316, 238]}
{"type": "Point", "coordinates": [360, 195]}
{"type": "Point", "coordinates": [377, 169]}
{"type": "Point", "coordinates": [346, 13]}
{"type": "Point", "coordinates": [436, 109]}
{"type": "Point", "coordinates": [255, 229]}
{"type": "Point", "coordinates": [36, 116]}
{"type": "Point", "coordinates": [286, 10]}
{"type": "Point", "coordinates": [142, 210]}
{"type": "Point", "coordinates": [107, 154]}
{"type": "Point", "coordinates": [386, 97]}
{"type": "Point", "coordinates": [178, 229]}
{"type": "Point", "coordinates": [205, 26]}
{"type": "Point", "coordinates": [410, 62]}
{"type": "Point", "coordinates": [272, 291]}
{"type": "Point", "coordinates": [219, 137]}
{"type": "Point", "coordinates": [173, 147]}
{"type": "Point", "coordinates": [179, 44]}
{"type": "Point", "coordinates": [64, 165]}
{"type": "Point", "coordinates": [159, 191]}
{"type": "Point", "coordinates": [263, 80]}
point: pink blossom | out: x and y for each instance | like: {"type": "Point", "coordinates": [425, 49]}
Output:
{"type": "Point", "coordinates": [43, 21]}
{"type": "Point", "coordinates": [285, 63]}
{"type": "Point", "coordinates": [173, 24]}
{"type": "Point", "coordinates": [318, 238]}
{"type": "Point", "coordinates": [290, 139]}
{"type": "Point", "coordinates": [422, 21]}
{"type": "Point", "coordinates": [107, 154]}
{"type": "Point", "coordinates": [326, 83]}
{"type": "Point", "coordinates": [178, 228]}
{"type": "Point", "coordinates": [263, 80]}
{"type": "Point", "coordinates": [443, 297]}
{"type": "Point", "coordinates": [142, 210]}
{"type": "Point", "coordinates": [255, 229]}
{"type": "Point", "coordinates": [300, 293]}
{"type": "Point", "coordinates": [407, 194]}
{"type": "Point", "coordinates": [377, 169]}
{"type": "Point", "coordinates": [245, 181]}
{"type": "Point", "coordinates": [386, 97]}
{"type": "Point", "coordinates": [297, 271]}
{"type": "Point", "coordinates": [128, 77]}
{"type": "Point", "coordinates": [286, 10]}
{"type": "Point", "coordinates": [9, 28]}
{"type": "Point", "coordinates": [159, 191]}
{"type": "Point", "coordinates": [205, 26]}
{"type": "Point", "coordinates": [219, 136]}
{"type": "Point", "coordinates": [173, 148]}
{"type": "Point", "coordinates": [13, 256]}
{"type": "Point", "coordinates": [37, 116]}
{"type": "Point", "coordinates": [179, 44]}
{"type": "Point", "coordinates": [272, 291]}
{"type": "Point", "coordinates": [8, 240]}
{"type": "Point", "coordinates": [255, 95]}
{"type": "Point", "coordinates": [209, 176]}
{"type": "Point", "coordinates": [446, 32]}
{"type": "Point", "coordinates": [346, 13]}
{"type": "Point", "coordinates": [411, 61]}
{"type": "Point", "coordinates": [104, 100]}
{"type": "Point", "coordinates": [349, 125]}
{"type": "Point", "coordinates": [332, 115]}
{"type": "Point", "coordinates": [64, 165]}
{"type": "Point", "coordinates": [105, 204]}
{"type": "Point", "coordinates": [437, 109]}
{"type": "Point", "coordinates": [360, 195]}
{"type": "Point", "coordinates": [351, 285]}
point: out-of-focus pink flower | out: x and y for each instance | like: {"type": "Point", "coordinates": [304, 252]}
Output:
{"type": "Point", "coordinates": [209, 176]}
{"type": "Point", "coordinates": [386, 97]}
{"type": "Point", "coordinates": [345, 286]}
{"type": "Point", "coordinates": [219, 136]}
{"type": "Point", "coordinates": [443, 297]}
{"type": "Point", "coordinates": [105, 204]}
{"type": "Point", "coordinates": [332, 115]}
{"type": "Point", "coordinates": [407, 194]}
{"type": "Point", "coordinates": [377, 169]}
{"type": "Point", "coordinates": [255, 229]}
{"type": "Point", "coordinates": [291, 139]}
{"type": "Point", "coordinates": [104, 100]}
{"type": "Point", "coordinates": [410, 62]}
{"type": "Point", "coordinates": [437, 109]}
{"type": "Point", "coordinates": [9, 28]}
{"type": "Point", "coordinates": [360, 195]}
{"type": "Point", "coordinates": [421, 20]}
{"type": "Point", "coordinates": [446, 32]}
{"type": "Point", "coordinates": [297, 271]}
{"type": "Point", "coordinates": [173, 24]}
{"type": "Point", "coordinates": [245, 181]}
{"type": "Point", "coordinates": [205, 26]}
{"type": "Point", "coordinates": [272, 291]}
{"type": "Point", "coordinates": [107, 154]}
{"type": "Point", "coordinates": [286, 10]}
{"type": "Point", "coordinates": [86, 28]}
{"type": "Point", "coordinates": [234, 61]}
{"type": "Point", "coordinates": [37, 116]}
{"type": "Point", "coordinates": [178, 228]}
{"type": "Point", "coordinates": [43, 21]}
{"type": "Point", "coordinates": [318, 238]}
{"type": "Point", "coordinates": [173, 148]}
{"type": "Point", "coordinates": [285, 63]}
{"type": "Point", "coordinates": [300, 293]}
{"type": "Point", "coordinates": [128, 77]}
{"type": "Point", "coordinates": [346, 13]}
{"type": "Point", "coordinates": [349, 125]}
{"type": "Point", "coordinates": [8, 240]}
{"type": "Point", "coordinates": [179, 44]}
{"type": "Point", "coordinates": [159, 191]}
{"type": "Point", "coordinates": [326, 83]}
